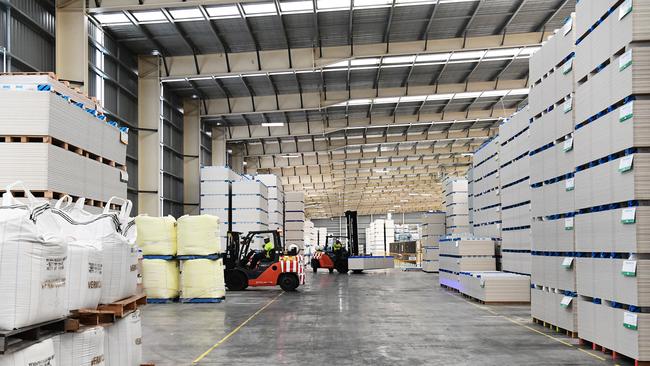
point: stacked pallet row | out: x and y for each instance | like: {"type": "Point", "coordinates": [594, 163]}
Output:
{"type": "Point", "coordinates": [470, 199]}
{"type": "Point", "coordinates": [456, 206]}
{"type": "Point", "coordinates": [273, 184]}
{"type": "Point", "coordinates": [515, 193]}
{"type": "Point", "coordinates": [57, 141]}
{"type": "Point", "coordinates": [379, 235]}
{"type": "Point", "coordinates": [225, 192]}
{"type": "Point", "coordinates": [612, 179]}
{"type": "Point", "coordinates": [432, 228]}
{"type": "Point", "coordinates": [552, 156]}
{"type": "Point", "coordinates": [461, 255]}
{"type": "Point", "coordinates": [294, 219]}
{"type": "Point", "coordinates": [485, 190]}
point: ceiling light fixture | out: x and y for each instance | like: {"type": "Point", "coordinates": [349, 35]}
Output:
{"type": "Point", "coordinates": [272, 124]}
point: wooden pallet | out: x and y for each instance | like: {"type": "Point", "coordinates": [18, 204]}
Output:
{"type": "Point", "coordinates": [449, 288]}
{"type": "Point", "coordinates": [615, 355]}
{"type": "Point", "coordinates": [569, 333]}
{"type": "Point", "coordinates": [29, 73]}
{"type": "Point", "coordinates": [15, 340]}
{"type": "Point", "coordinates": [63, 145]}
{"type": "Point", "coordinates": [61, 86]}
{"type": "Point", "coordinates": [124, 307]}
{"type": "Point", "coordinates": [85, 318]}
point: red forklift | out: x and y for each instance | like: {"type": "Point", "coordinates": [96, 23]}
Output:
{"type": "Point", "coordinates": [330, 259]}
{"type": "Point", "coordinates": [243, 270]}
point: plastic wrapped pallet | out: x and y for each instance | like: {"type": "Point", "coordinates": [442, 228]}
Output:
{"type": "Point", "coordinates": [156, 235]}
{"type": "Point", "coordinates": [496, 286]}
{"type": "Point", "coordinates": [198, 235]}
{"type": "Point", "coordinates": [83, 348]}
{"type": "Point", "coordinates": [84, 275]}
{"type": "Point", "coordinates": [39, 354]}
{"type": "Point", "coordinates": [32, 269]}
{"type": "Point", "coordinates": [202, 279]}
{"type": "Point", "coordinates": [160, 278]}
{"type": "Point", "coordinates": [123, 342]}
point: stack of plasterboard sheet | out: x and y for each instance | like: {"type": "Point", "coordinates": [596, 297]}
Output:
{"type": "Point", "coordinates": [223, 191]}
{"type": "Point", "coordinates": [321, 236]}
{"type": "Point", "coordinates": [515, 193]}
{"type": "Point", "coordinates": [380, 235]}
{"type": "Point", "coordinates": [624, 280]}
{"type": "Point", "coordinates": [465, 255]}
{"type": "Point", "coordinates": [432, 229]}
{"type": "Point", "coordinates": [294, 216]}
{"type": "Point", "coordinates": [495, 286]}
{"type": "Point", "coordinates": [455, 199]}
{"type": "Point", "coordinates": [552, 108]}
{"type": "Point", "coordinates": [275, 200]}
{"type": "Point", "coordinates": [359, 263]}
{"type": "Point", "coordinates": [486, 190]}
{"type": "Point", "coordinates": [470, 199]}
{"type": "Point", "coordinates": [57, 140]}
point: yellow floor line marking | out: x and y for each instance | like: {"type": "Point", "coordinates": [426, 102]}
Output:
{"type": "Point", "coordinates": [198, 359]}
{"type": "Point", "coordinates": [527, 327]}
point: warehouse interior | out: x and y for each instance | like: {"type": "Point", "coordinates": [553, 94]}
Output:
{"type": "Point", "coordinates": [347, 182]}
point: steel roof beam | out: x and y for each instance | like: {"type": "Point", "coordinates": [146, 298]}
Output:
{"type": "Point", "coordinates": [561, 4]}
{"type": "Point", "coordinates": [504, 27]}
{"type": "Point", "coordinates": [468, 25]}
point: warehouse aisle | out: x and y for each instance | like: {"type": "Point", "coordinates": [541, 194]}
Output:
{"type": "Point", "coordinates": [379, 318]}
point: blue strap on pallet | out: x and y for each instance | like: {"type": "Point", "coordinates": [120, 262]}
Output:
{"type": "Point", "coordinates": [161, 301]}
{"type": "Point", "coordinates": [163, 257]}
{"type": "Point", "coordinates": [203, 301]}
{"type": "Point", "coordinates": [214, 256]}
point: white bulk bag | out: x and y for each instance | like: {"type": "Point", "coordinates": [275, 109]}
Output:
{"type": "Point", "coordinates": [39, 354]}
{"type": "Point", "coordinates": [156, 235]}
{"type": "Point", "coordinates": [123, 342]}
{"type": "Point", "coordinates": [198, 235]}
{"type": "Point", "coordinates": [32, 268]}
{"type": "Point", "coordinates": [127, 223]}
{"type": "Point", "coordinates": [119, 258]}
{"type": "Point", "coordinates": [84, 348]}
{"type": "Point", "coordinates": [84, 274]}
{"type": "Point", "coordinates": [160, 278]}
{"type": "Point", "coordinates": [202, 279]}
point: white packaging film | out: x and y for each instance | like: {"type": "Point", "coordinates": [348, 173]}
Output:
{"type": "Point", "coordinates": [83, 348]}
{"type": "Point", "coordinates": [198, 235]}
{"type": "Point", "coordinates": [156, 235]}
{"type": "Point", "coordinates": [202, 279]}
{"type": "Point", "coordinates": [160, 278]}
{"type": "Point", "coordinates": [123, 342]}
{"type": "Point", "coordinates": [32, 268]}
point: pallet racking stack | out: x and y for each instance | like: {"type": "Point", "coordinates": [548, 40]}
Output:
{"type": "Point", "coordinates": [612, 159]}
{"type": "Point", "coordinates": [515, 193]}
{"type": "Point", "coordinates": [553, 286]}
{"type": "Point", "coordinates": [433, 228]}
{"type": "Point", "coordinates": [470, 199]}
{"type": "Point", "coordinates": [456, 206]}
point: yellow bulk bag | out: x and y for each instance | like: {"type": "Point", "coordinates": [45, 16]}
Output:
{"type": "Point", "coordinates": [160, 278]}
{"type": "Point", "coordinates": [202, 279]}
{"type": "Point", "coordinates": [156, 235]}
{"type": "Point", "coordinates": [198, 235]}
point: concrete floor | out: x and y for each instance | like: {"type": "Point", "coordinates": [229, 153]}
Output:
{"type": "Point", "coordinates": [377, 318]}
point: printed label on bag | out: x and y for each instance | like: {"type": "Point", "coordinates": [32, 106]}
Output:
{"type": "Point", "coordinates": [625, 9]}
{"type": "Point", "coordinates": [625, 60]}
{"type": "Point", "coordinates": [626, 112]}
{"type": "Point", "coordinates": [568, 144]}
{"type": "Point", "coordinates": [630, 320]}
{"type": "Point", "coordinates": [568, 223]}
{"type": "Point", "coordinates": [570, 184]}
{"type": "Point", "coordinates": [626, 163]}
{"type": "Point", "coordinates": [566, 301]}
{"type": "Point", "coordinates": [566, 28]}
{"type": "Point", "coordinates": [124, 137]}
{"type": "Point", "coordinates": [568, 105]}
{"type": "Point", "coordinates": [628, 215]}
{"type": "Point", "coordinates": [567, 262]}
{"type": "Point", "coordinates": [629, 269]}
{"type": "Point", "coordinates": [568, 66]}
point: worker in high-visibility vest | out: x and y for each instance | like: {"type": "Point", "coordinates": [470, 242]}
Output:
{"type": "Point", "coordinates": [266, 253]}
{"type": "Point", "coordinates": [337, 248]}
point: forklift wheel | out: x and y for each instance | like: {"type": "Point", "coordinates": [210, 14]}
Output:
{"type": "Point", "coordinates": [288, 282]}
{"type": "Point", "coordinates": [236, 281]}
{"type": "Point", "coordinates": [342, 270]}
{"type": "Point", "coordinates": [331, 270]}
{"type": "Point", "coordinates": [314, 269]}
{"type": "Point", "coordinates": [357, 271]}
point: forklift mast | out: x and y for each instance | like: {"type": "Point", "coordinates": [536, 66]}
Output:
{"type": "Point", "coordinates": [353, 233]}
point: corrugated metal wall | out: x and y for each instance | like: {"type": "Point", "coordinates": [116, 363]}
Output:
{"type": "Point", "coordinates": [172, 154]}
{"type": "Point", "coordinates": [113, 79]}
{"type": "Point", "coordinates": [336, 225]}
{"type": "Point", "coordinates": [27, 33]}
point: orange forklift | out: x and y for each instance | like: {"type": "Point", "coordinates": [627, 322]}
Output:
{"type": "Point", "coordinates": [332, 259]}
{"type": "Point", "coordinates": [245, 267]}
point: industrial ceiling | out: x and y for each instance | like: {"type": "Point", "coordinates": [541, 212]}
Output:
{"type": "Point", "coordinates": [364, 104]}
